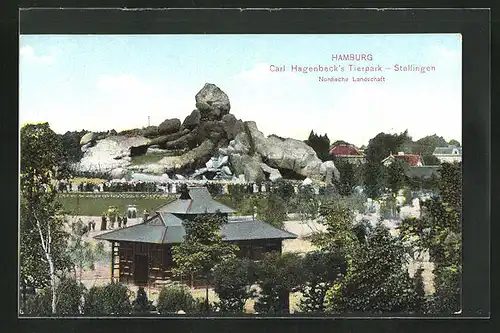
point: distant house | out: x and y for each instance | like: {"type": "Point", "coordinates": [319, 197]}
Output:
{"type": "Point", "coordinates": [448, 154]}
{"type": "Point", "coordinates": [348, 153]}
{"type": "Point", "coordinates": [142, 253]}
{"type": "Point", "coordinates": [411, 159]}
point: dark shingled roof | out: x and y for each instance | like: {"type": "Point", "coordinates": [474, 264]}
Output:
{"type": "Point", "coordinates": [201, 202]}
{"type": "Point", "coordinates": [235, 229]}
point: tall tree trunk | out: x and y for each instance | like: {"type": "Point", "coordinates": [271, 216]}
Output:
{"type": "Point", "coordinates": [52, 282]}
{"type": "Point", "coordinates": [46, 245]}
{"type": "Point", "coordinates": [207, 308]}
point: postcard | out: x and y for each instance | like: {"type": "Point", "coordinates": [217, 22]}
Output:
{"type": "Point", "coordinates": [240, 175]}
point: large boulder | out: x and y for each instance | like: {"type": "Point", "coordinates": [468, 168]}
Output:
{"type": "Point", "coordinates": [274, 174]}
{"type": "Point", "coordinates": [192, 120]}
{"type": "Point", "coordinates": [213, 130]}
{"type": "Point", "coordinates": [87, 138]}
{"type": "Point", "coordinates": [231, 125]}
{"type": "Point", "coordinates": [212, 102]}
{"type": "Point", "coordinates": [150, 132]}
{"type": "Point", "coordinates": [284, 154]}
{"type": "Point", "coordinates": [118, 173]}
{"type": "Point", "coordinates": [250, 166]}
{"type": "Point", "coordinates": [179, 143]}
{"type": "Point", "coordinates": [161, 140]}
{"type": "Point", "coordinates": [169, 126]}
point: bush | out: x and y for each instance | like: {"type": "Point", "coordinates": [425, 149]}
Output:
{"type": "Point", "coordinates": [141, 304]}
{"type": "Point", "coordinates": [322, 269]}
{"type": "Point", "coordinates": [175, 297]}
{"type": "Point", "coordinates": [113, 298]}
{"type": "Point", "coordinates": [284, 190]}
{"type": "Point", "coordinates": [232, 282]}
{"type": "Point", "coordinates": [38, 304]}
{"type": "Point", "coordinates": [69, 297]}
{"type": "Point", "coordinates": [277, 276]}
{"type": "Point", "coordinates": [272, 209]}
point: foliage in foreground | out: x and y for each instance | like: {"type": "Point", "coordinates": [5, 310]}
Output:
{"type": "Point", "coordinates": [377, 280]}
{"type": "Point", "coordinates": [277, 276]}
{"type": "Point", "coordinates": [174, 298]}
{"type": "Point", "coordinates": [233, 281]}
{"type": "Point", "coordinates": [112, 299]}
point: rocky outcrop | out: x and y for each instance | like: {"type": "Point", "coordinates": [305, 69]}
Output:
{"type": "Point", "coordinates": [273, 174]}
{"type": "Point", "coordinates": [187, 162]}
{"type": "Point", "coordinates": [150, 132]}
{"type": "Point", "coordinates": [212, 102]}
{"type": "Point", "coordinates": [192, 120]}
{"type": "Point", "coordinates": [287, 155]}
{"type": "Point", "coordinates": [240, 149]}
{"type": "Point", "coordinates": [118, 173]}
{"type": "Point", "coordinates": [169, 126]}
{"type": "Point", "coordinates": [87, 138]}
{"type": "Point", "coordinates": [232, 126]}
{"type": "Point", "coordinates": [101, 157]}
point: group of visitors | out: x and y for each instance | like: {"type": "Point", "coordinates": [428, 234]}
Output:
{"type": "Point", "coordinates": [121, 220]}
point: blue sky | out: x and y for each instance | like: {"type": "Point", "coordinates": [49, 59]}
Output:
{"type": "Point", "coordinates": [100, 82]}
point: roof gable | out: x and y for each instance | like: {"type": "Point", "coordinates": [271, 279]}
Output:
{"type": "Point", "coordinates": [412, 160]}
{"type": "Point", "coordinates": [345, 150]}
{"type": "Point", "coordinates": [236, 229]}
{"type": "Point", "coordinates": [197, 201]}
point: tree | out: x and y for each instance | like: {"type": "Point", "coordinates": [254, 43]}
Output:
{"type": "Point", "coordinates": [438, 231]}
{"type": "Point", "coordinates": [272, 209]}
{"type": "Point", "coordinates": [307, 203]}
{"type": "Point", "coordinates": [347, 179]}
{"type": "Point", "coordinates": [322, 269]}
{"type": "Point", "coordinates": [232, 283]}
{"type": "Point", "coordinates": [320, 144]}
{"type": "Point", "coordinates": [202, 248]}
{"type": "Point", "coordinates": [377, 280]}
{"type": "Point", "coordinates": [396, 177]}
{"type": "Point", "coordinates": [278, 275]}
{"type": "Point", "coordinates": [338, 219]}
{"type": "Point", "coordinates": [374, 176]}
{"type": "Point", "coordinates": [426, 145]}
{"type": "Point", "coordinates": [43, 239]}
{"type": "Point", "coordinates": [83, 253]}
{"type": "Point", "coordinates": [454, 142]}
{"type": "Point", "coordinates": [383, 144]}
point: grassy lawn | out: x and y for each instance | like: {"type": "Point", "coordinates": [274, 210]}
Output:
{"type": "Point", "coordinates": [89, 206]}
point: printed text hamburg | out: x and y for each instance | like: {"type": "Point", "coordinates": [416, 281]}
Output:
{"type": "Point", "coordinates": [345, 68]}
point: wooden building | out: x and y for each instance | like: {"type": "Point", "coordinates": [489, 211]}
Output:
{"type": "Point", "coordinates": [142, 254]}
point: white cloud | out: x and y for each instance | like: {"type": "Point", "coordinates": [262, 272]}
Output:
{"type": "Point", "coordinates": [28, 53]}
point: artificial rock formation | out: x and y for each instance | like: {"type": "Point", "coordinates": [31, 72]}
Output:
{"type": "Point", "coordinates": [188, 148]}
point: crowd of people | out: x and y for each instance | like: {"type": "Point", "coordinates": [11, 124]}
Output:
{"type": "Point", "coordinates": [216, 188]}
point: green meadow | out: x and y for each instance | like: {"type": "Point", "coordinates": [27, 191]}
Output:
{"type": "Point", "coordinates": [88, 205]}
